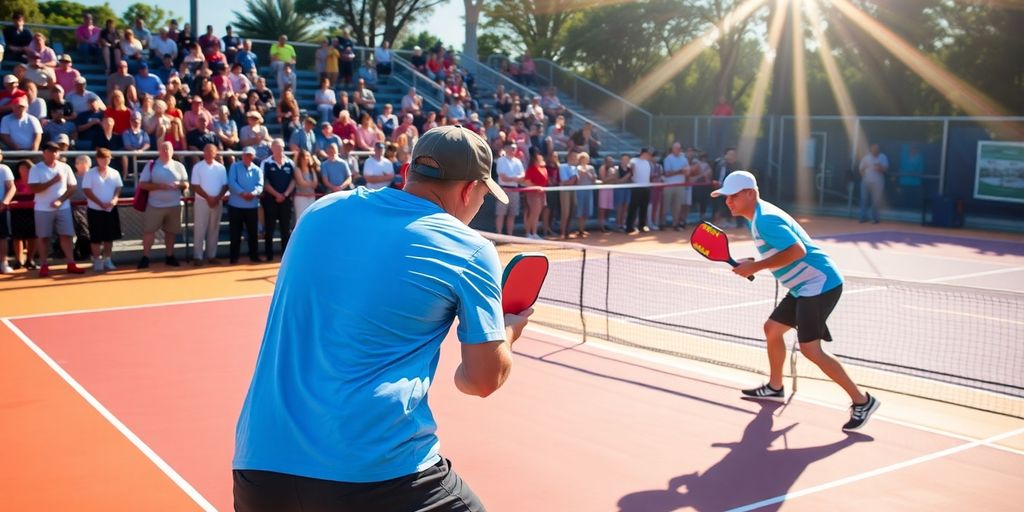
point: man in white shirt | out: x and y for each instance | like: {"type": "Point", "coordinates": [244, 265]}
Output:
{"type": "Point", "coordinates": [378, 171]}
{"type": "Point", "coordinates": [167, 182]}
{"type": "Point", "coordinates": [873, 167]}
{"type": "Point", "coordinates": [52, 181]}
{"type": "Point", "coordinates": [511, 173]}
{"type": "Point", "coordinates": [80, 97]}
{"type": "Point", "coordinates": [20, 130]}
{"type": "Point", "coordinates": [6, 196]}
{"type": "Point", "coordinates": [162, 45]}
{"type": "Point", "coordinates": [677, 199]}
{"type": "Point", "coordinates": [210, 184]}
{"type": "Point", "coordinates": [640, 197]}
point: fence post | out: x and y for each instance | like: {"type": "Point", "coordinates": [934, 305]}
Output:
{"type": "Point", "coordinates": [942, 160]}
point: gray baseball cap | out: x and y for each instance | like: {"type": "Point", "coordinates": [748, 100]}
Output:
{"type": "Point", "coordinates": [457, 154]}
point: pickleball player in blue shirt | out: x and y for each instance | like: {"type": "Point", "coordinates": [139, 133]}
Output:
{"type": "Point", "coordinates": [336, 417]}
{"type": "Point", "coordinates": [814, 284]}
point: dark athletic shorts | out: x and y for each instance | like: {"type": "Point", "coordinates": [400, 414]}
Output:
{"type": "Point", "coordinates": [808, 314]}
{"type": "Point", "coordinates": [436, 488]}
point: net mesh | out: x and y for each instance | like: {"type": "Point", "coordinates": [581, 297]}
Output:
{"type": "Point", "coordinates": [958, 345]}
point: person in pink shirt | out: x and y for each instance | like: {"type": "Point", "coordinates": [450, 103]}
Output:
{"type": "Point", "coordinates": [65, 74]}
{"type": "Point", "coordinates": [88, 36]}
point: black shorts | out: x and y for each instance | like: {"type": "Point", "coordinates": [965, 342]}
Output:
{"type": "Point", "coordinates": [437, 488]}
{"type": "Point", "coordinates": [808, 314]}
{"type": "Point", "coordinates": [23, 224]}
{"type": "Point", "coordinates": [5, 231]}
{"type": "Point", "coordinates": [104, 226]}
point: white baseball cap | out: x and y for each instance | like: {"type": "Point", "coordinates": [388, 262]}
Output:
{"type": "Point", "coordinates": [736, 182]}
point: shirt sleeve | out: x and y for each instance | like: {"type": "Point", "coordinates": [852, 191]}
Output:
{"type": "Point", "coordinates": [479, 292]}
{"type": "Point", "coordinates": [775, 232]}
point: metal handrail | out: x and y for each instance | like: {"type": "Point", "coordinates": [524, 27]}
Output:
{"type": "Point", "coordinates": [595, 85]}
{"type": "Point", "coordinates": [418, 79]}
{"type": "Point", "coordinates": [509, 83]}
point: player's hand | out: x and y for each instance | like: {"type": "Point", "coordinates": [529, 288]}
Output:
{"type": "Point", "coordinates": [517, 323]}
{"type": "Point", "coordinates": [746, 268]}
{"type": "Point", "coordinates": [56, 204]}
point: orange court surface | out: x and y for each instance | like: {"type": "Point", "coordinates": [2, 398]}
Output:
{"type": "Point", "coordinates": [120, 391]}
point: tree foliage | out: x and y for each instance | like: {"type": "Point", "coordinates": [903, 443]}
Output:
{"type": "Point", "coordinates": [425, 40]}
{"type": "Point", "coordinates": [537, 27]}
{"type": "Point", "coordinates": [269, 19]}
{"type": "Point", "coordinates": [370, 21]}
{"type": "Point", "coordinates": [153, 16]}
{"type": "Point", "coordinates": [30, 8]}
{"type": "Point", "coordinates": [64, 12]}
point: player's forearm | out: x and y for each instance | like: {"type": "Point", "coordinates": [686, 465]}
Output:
{"type": "Point", "coordinates": [781, 259]}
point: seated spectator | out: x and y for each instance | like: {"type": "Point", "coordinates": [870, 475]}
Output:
{"type": "Point", "coordinates": [10, 94]}
{"type": "Point", "coordinates": [286, 79]}
{"type": "Point", "coordinates": [135, 138]}
{"type": "Point", "coordinates": [161, 45]}
{"type": "Point", "coordinates": [216, 60]}
{"type": "Point", "coordinates": [527, 70]}
{"type": "Point", "coordinates": [405, 134]}
{"type": "Point", "coordinates": [18, 39]}
{"type": "Point", "coordinates": [47, 57]}
{"type": "Point", "coordinates": [368, 74]}
{"type": "Point", "coordinates": [325, 100]}
{"type": "Point", "coordinates": [332, 62]}
{"type": "Point", "coordinates": [456, 111]}
{"type": "Point", "coordinates": [119, 112]}
{"type": "Point", "coordinates": [256, 135]}
{"type": "Point", "coordinates": [551, 104]}
{"type": "Point", "coordinates": [141, 32]}
{"type": "Point", "coordinates": [226, 129]}
{"type": "Point", "coordinates": [222, 85]}
{"type": "Point", "coordinates": [110, 45]}
{"type": "Point", "coordinates": [232, 44]}
{"type": "Point", "coordinates": [304, 139]}
{"type": "Point", "coordinates": [265, 94]}
{"type": "Point", "coordinates": [382, 55]}
{"type": "Point", "coordinates": [412, 103]}
{"type": "Point", "coordinates": [80, 97]}
{"type": "Point", "coordinates": [156, 125]}
{"type": "Point", "coordinates": [21, 130]}
{"type": "Point", "coordinates": [435, 69]}
{"type": "Point", "coordinates": [87, 35]}
{"type": "Point", "coordinates": [585, 141]}
{"type": "Point", "coordinates": [327, 137]}
{"type": "Point", "coordinates": [387, 121]}
{"type": "Point", "coordinates": [377, 170]}
{"type": "Point", "coordinates": [102, 185]}
{"type": "Point", "coordinates": [166, 69]}
{"type": "Point", "coordinates": [280, 54]}
{"type": "Point", "coordinates": [534, 112]}
{"type": "Point", "coordinates": [208, 41]}
{"type": "Point", "coordinates": [367, 133]}
{"type": "Point", "coordinates": [344, 126]}
{"type": "Point", "coordinates": [335, 173]}
{"type": "Point", "coordinates": [59, 125]}
{"type": "Point", "coordinates": [120, 79]}
{"type": "Point", "coordinates": [288, 113]}
{"type": "Point", "coordinates": [175, 135]}
{"type": "Point", "coordinates": [367, 101]}
{"type": "Point", "coordinates": [105, 136]}
{"type": "Point", "coordinates": [240, 84]}
{"type": "Point", "coordinates": [131, 49]}
{"type": "Point", "coordinates": [194, 57]}
{"type": "Point", "coordinates": [148, 83]}
{"type": "Point", "coordinates": [253, 103]}
{"type": "Point", "coordinates": [39, 74]}
{"type": "Point", "coordinates": [558, 133]}
{"type": "Point", "coordinates": [65, 75]}
{"type": "Point", "coordinates": [3, 44]}
{"type": "Point", "coordinates": [196, 111]}
{"type": "Point", "coordinates": [247, 59]}
{"type": "Point", "coordinates": [201, 136]}
{"type": "Point", "coordinates": [418, 60]}
{"type": "Point", "coordinates": [346, 106]}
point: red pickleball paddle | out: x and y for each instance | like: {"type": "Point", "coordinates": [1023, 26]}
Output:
{"type": "Point", "coordinates": [522, 281]}
{"type": "Point", "coordinates": [712, 243]}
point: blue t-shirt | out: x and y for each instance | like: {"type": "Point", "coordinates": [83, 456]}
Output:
{"type": "Point", "coordinates": [340, 387]}
{"type": "Point", "coordinates": [336, 171]}
{"type": "Point", "coordinates": [775, 231]}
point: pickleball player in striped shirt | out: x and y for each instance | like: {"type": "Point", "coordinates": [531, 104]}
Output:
{"type": "Point", "coordinates": [814, 284]}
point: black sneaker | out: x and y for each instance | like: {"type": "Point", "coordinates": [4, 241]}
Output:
{"type": "Point", "coordinates": [143, 263]}
{"type": "Point", "coordinates": [859, 414]}
{"type": "Point", "coordinates": [765, 392]}
{"type": "Point", "coordinates": [171, 261]}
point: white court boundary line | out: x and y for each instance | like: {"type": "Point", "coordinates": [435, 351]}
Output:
{"type": "Point", "coordinates": [138, 306]}
{"type": "Point", "coordinates": [678, 363]}
{"type": "Point", "coordinates": [876, 472]}
{"type": "Point", "coordinates": [109, 416]}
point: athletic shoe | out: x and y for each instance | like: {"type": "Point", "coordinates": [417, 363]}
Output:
{"type": "Point", "coordinates": [171, 261]}
{"type": "Point", "coordinates": [5, 268]}
{"type": "Point", "coordinates": [109, 264]}
{"type": "Point", "coordinates": [30, 264]}
{"type": "Point", "coordinates": [74, 269]}
{"type": "Point", "coordinates": [44, 271]}
{"type": "Point", "coordinates": [765, 392]}
{"type": "Point", "coordinates": [860, 413]}
{"type": "Point", "coordinates": [143, 263]}
{"type": "Point", "coordinates": [97, 265]}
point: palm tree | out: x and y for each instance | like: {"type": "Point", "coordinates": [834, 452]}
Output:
{"type": "Point", "coordinates": [268, 19]}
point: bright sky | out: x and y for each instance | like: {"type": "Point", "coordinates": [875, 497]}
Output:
{"type": "Point", "coordinates": [440, 22]}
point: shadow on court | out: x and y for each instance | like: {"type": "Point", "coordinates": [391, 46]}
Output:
{"type": "Point", "coordinates": [884, 239]}
{"type": "Point", "coordinates": [749, 472]}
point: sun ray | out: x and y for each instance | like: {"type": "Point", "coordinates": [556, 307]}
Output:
{"type": "Point", "coordinates": [804, 178]}
{"type": "Point", "coordinates": [752, 123]}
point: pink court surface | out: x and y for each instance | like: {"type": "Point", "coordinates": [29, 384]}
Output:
{"type": "Point", "coordinates": [121, 391]}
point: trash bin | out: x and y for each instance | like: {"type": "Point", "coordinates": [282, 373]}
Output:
{"type": "Point", "coordinates": [946, 212]}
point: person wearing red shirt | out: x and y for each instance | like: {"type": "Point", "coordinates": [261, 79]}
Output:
{"type": "Point", "coordinates": [536, 176]}
{"type": "Point", "coordinates": [119, 112]}
{"type": "Point", "coordinates": [720, 125]}
{"type": "Point", "coordinates": [344, 126]}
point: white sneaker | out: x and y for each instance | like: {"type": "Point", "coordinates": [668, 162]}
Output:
{"type": "Point", "coordinates": [5, 268]}
{"type": "Point", "coordinates": [109, 264]}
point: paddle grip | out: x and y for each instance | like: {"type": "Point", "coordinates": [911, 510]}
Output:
{"type": "Point", "coordinates": [735, 264]}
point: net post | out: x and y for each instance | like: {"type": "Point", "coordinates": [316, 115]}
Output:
{"type": "Point", "coordinates": [607, 292]}
{"type": "Point", "coordinates": [583, 273]}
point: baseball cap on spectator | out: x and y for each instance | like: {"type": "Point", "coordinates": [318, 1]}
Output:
{"type": "Point", "coordinates": [311, 121]}
{"type": "Point", "coordinates": [249, 150]}
{"type": "Point", "coordinates": [65, 58]}
{"type": "Point", "coordinates": [144, 65]}
{"type": "Point", "coordinates": [455, 153]}
{"type": "Point", "coordinates": [62, 139]}
{"type": "Point", "coordinates": [735, 182]}
{"type": "Point", "coordinates": [196, 99]}
{"type": "Point", "coordinates": [379, 145]}
{"type": "Point", "coordinates": [80, 80]}
{"type": "Point", "coordinates": [252, 114]}
{"type": "Point", "coordinates": [10, 79]}
{"type": "Point", "coordinates": [51, 146]}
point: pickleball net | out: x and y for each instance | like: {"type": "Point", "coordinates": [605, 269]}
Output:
{"type": "Point", "coordinates": [958, 345]}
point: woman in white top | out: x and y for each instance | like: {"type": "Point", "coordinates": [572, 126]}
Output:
{"type": "Point", "coordinates": [584, 198]}
{"type": "Point", "coordinates": [305, 182]}
{"type": "Point", "coordinates": [325, 100]}
{"type": "Point", "coordinates": [382, 54]}
{"type": "Point", "coordinates": [131, 49]}
{"type": "Point", "coordinates": [102, 185]}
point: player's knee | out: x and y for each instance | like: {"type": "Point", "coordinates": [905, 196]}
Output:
{"type": "Point", "coordinates": [811, 350]}
{"type": "Point", "coordinates": [773, 329]}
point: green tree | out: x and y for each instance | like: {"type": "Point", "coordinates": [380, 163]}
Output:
{"type": "Point", "coordinates": [152, 16]}
{"type": "Point", "coordinates": [534, 26]}
{"type": "Point", "coordinates": [491, 44]}
{"type": "Point", "coordinates": [424, 40]}
{"type": "Point", "coordinates": [67, 13]}
{"type": "Point", "coordinates": [369, 20]}
{"type": "Point", "coordinates": [30, 8]}
{"type": "Point", "coordinates": [269, 19]}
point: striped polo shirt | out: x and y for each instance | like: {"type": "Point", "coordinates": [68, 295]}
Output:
{"type": "Point", "coordinates": [775, 231]}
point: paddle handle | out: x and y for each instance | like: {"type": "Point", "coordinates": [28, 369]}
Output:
{"type": "Point", "coordinates": [734, 264]}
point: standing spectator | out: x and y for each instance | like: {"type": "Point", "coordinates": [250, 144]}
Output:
{"type": "Point", "coordinates": [536, 176]}
{"type": "Point", "coordinates": [331, 63]}
{"type": "Point", "coordinates": [677, 199]}
{"type": "Point", "coordinates": [721, 122]}
{"type": "Point", "coordinates": [247, 59]}
{"type": "Point", "coordinates": [527, 70]}
{"type": "Point", "coordinates": [702, 193]}
{"type": "Point", "coordinates": [511, 174]}
{"type": "Point", "coordinates": [585, 175]}
{"type": "Point", "coordinates": [7, 191]}
{"type": "Point", "coordinates": [552, 202]}
{"type": "Point", "coordinates": [53, 182]}
{"type": "Point", "coordinates": [166, 181]}
{"type": "Point", "coordinates": [208, 41]}
{"type": "Point", "coordinates": [280, 54]}
{"type": "Point", "coordinates": [278, 187]}
{"type": "Point", "coordinates": [320, 58]}
{"type": "Point", "coordinates": [161, 46]}
{"type": "Point", "coordinates": [873, 167]}
{"type": "Point", "coordinates": [18, 38]}
{"type": "Point", "coordinates": [286, 78]}
{"type": "Point", "coordinates": [609, 175]}
{"type": "Point", "coordinates": [911, 170]}
{"type": "Point", "coordinates": [102, 185]}
{"type": "Point", "coordinates": [110, 45]}
{"type": "Point", "coordinates": [88, 37]}
{"type": "Point", "coordinates": [20, 130]}
{"type": "Point", "coordinates": [382, 54]}
{"type": "Point", "coordinates": [210, 184]}
{"type": "Point", "coordinates": [335, 172]}
{"type": "Point", "coordinates": [23, 224]}
{"type": "Point", "coordinates": [378, 170]}
{"type": "Point", "coordinates": [325, 100]}
{"type": "Point", "coordinates": [368, 74]}
{"type": "Point", "coordinates": [640, 197]}
{"type": "Point", "coordinates": [304, 139]}
{"type": "Point", "coordinates": [232, 44]}
{"type": "Point", "coordinates": [347, 64]}
{"type": "Point", "coordinates": [723, 168]}
{"type": "Point", "coordinates": [288, 114]}
{"type": "Point", "coordinates": [245, 181]}
{"type": "Point", "coordinates": [568, 175]}
{"type": "Point", "coordinates": [656, 220]}
{"type": "Point", "coordinates": [305, 182]}
{"type": "Point", "coordinates": [82, 246]}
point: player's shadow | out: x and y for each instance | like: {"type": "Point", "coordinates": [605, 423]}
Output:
{"type": "Point", "coordinates": [751, 471]}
